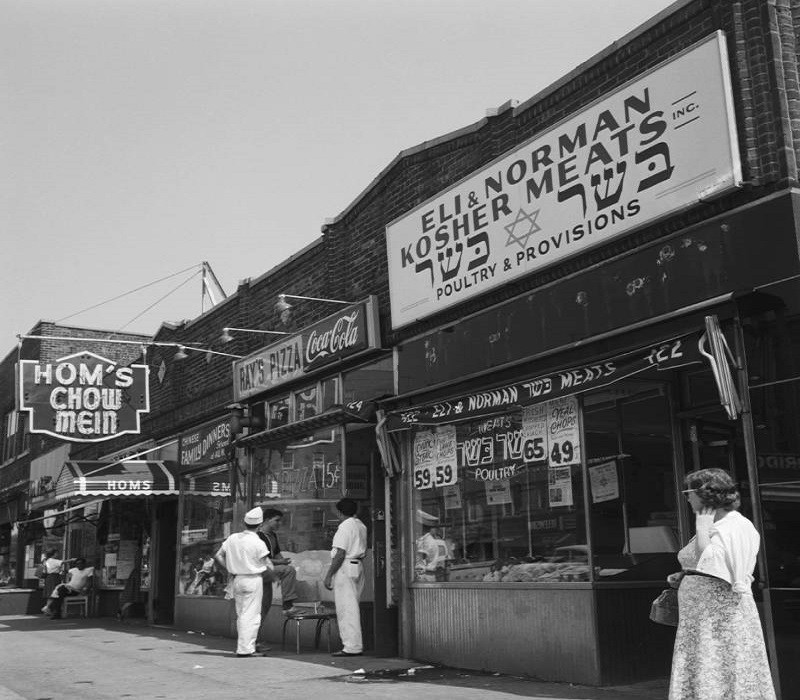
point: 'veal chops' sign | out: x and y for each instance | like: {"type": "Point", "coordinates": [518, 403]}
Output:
{"type": "Point", "coordinates": [662, 142]}
{"type": "Point", "coordinates": [343, 334]}
{"type": "Point", "coordinates": [83, 397]}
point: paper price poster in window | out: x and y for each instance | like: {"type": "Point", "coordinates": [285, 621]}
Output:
{"type": "Point", "coordinates": [425, 451]}
{"type": "Point", "coordinates": [534, 433]}
{"type": "Point", "coordinates": [452, 497]}
{"type": "Point", "coordinates": [560, 487]}
{"type": "Point", "coordinates": [498, 492]}
{"type": "Point", "coordinates": [604, 481]}
{"type": "Point", "coordinates": [445, 469]}
{"type": "Point", "coordinates": [563, 435]}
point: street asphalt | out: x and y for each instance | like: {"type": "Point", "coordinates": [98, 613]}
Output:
{"type": "Point", "coordinates": [43, 659]}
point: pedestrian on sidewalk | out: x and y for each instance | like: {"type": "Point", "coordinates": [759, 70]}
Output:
{"type": "Point", "coordinates": [719, 645]}
{"type": "Point", "coordinates": [346, 576]}
{"type": "Point", "coordinates": [282, 569]}
{"type": "Point", "coordinates": [51, 570]}
{"type": "Point", "coordinates": [78, 579]}
{"type": "Point", "coordinates": [244, 556]}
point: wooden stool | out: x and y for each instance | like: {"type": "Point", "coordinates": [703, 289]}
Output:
{"type": "Point", "coordinates": [322, 620]}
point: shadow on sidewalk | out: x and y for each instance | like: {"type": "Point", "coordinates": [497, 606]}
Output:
{"type": "Point", "coordinates": [361, 670]}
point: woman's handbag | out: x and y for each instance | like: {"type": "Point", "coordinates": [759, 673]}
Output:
{"type": "Point", "coordinates": [664, 609]}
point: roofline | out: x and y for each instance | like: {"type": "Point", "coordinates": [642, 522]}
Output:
{"type": "Point", "coordinates": [518, 108]}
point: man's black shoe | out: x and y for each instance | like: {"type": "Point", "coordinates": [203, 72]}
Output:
{"type": "Point", "coordinates": [346, 653]}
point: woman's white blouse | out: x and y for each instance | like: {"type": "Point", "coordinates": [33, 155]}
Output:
{"type": "Point", "coordinates": [731, 553]}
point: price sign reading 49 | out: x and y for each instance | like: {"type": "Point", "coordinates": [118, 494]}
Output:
{"type": "Point", "coordinates": [428, 476]}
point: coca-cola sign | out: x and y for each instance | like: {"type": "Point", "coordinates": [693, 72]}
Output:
{"type": "Point", "coordinates": [83, 397]}
{"type": "Point", "coordinates": [348, 332]}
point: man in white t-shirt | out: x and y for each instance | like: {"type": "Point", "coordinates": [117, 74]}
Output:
{"type": "Point", "coordinates": [244, 556]}
{"type": "Point", "coordinates": [78, 579]}
{"type": "Point", "coordinates": [346, 576]}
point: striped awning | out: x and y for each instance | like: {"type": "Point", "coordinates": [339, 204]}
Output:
{"type": "Point", "coordinates": [124, 478]}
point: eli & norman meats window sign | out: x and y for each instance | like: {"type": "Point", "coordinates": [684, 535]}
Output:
{"type": "Point", "coordinates": [659, 144]}
{"type": "Point", "coordinates": [83, 397]}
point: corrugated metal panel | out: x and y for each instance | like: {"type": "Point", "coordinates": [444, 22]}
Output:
{"type": "Point", "coordinates": [545, 633]}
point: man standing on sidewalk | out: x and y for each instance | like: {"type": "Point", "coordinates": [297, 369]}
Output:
{"type": "Point", "coordinates": [346, 573]}
{"type": "Point", "coordinates": [244, 556]}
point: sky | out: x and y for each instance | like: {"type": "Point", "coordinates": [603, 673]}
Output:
{"type": "Point", "coordinates": [139, 138]}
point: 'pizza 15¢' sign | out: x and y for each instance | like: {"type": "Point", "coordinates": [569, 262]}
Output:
{"type": "Point", "coordinates": [83, 397]}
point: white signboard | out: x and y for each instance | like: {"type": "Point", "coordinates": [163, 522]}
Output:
{"type": "Point", "coordinates": [662, 142]}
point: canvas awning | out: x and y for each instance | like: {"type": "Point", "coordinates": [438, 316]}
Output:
{"type": "Point", "coordinates": [123, 478]}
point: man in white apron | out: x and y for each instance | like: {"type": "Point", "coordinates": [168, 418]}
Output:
{"type": "Point", "coordinates": [346, 576]}
{"type": "Point", "coordinates": [244, 556]}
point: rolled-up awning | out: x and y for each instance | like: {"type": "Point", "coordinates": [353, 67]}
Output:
{"type": "Point", "coordinates": [125, 478]}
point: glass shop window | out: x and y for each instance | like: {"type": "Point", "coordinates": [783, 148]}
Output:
{"type": "Point", "coordinates": [278, 412]}
{"type": "Point", "coordinates": [303, 479]}
{"type": "Point", "coordinates": [369, 382]}
{"type": "Point", "coordinates": [630, 464]}
{"type": "Point", "coordinates": [501, 499]}
{"type": "Point", "coordinates": [207, 521]}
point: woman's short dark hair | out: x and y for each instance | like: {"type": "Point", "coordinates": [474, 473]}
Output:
{"type": "Point", "coordinates": [714, 487]}
{"type": "Point", "coordinates": [50, 552]}
{"type": "Point", "coordinates": [347, 506]}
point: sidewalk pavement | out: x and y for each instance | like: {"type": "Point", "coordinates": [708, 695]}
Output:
{"type": "Point", "coordinates": [103, 658]}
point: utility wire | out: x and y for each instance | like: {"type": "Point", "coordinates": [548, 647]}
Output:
{"type": "Point", "coordinates": [149, 284]}
{"type": "Point", "coordinates": [158, 301]}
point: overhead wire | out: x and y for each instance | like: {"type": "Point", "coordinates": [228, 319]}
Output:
{"type": "Point", "coordinates": [158, 301]}
{"type": "Point", "coordinates": [132, 291]}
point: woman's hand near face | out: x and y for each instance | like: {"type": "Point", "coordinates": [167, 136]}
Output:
{"type": "Point", "coordinates": [704, 521]}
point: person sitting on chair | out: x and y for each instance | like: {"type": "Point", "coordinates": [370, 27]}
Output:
{"type": "Point", "coordinates": [78, 579]}
{"type": "Point", "coordinates": [282, 569]}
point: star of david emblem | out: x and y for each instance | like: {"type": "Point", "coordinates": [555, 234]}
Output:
{"type": "Point", "coordinates": [520, 219]}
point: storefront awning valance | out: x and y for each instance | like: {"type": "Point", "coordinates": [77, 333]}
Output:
{"type": "Point", "coordinates": [356, 412]}
{"type": "Point", "coordinates": [125, 478]}
{"type": "Point", "coordinates": [664, 355]}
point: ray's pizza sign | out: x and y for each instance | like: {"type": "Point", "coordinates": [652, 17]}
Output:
{"type": "Point", "coordinates": [83, 397]}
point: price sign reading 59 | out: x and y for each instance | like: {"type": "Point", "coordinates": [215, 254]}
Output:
{"type": "Point", "coordinates": [427, 477]}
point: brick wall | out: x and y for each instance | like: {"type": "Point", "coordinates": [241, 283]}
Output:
{"type": "Point", "coordinates": [762, 38]}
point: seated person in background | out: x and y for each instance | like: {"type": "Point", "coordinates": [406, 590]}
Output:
{"type": "Point", "coordinates": [51, 570]}
{"type": "Point", "coordinates": [282, 570]}
{"type": "Point", "coordinates": [78, 579]}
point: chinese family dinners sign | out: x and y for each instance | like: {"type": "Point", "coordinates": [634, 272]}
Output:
{"type": "Point", "coordinates": [83, 397]}
{"type": "Point", "coordinates": [657, 145]}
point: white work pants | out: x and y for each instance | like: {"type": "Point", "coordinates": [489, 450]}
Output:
{"type": "Point", "coordinates": [247, 593]}
{"type": "Point", "coordinates": [346, 593]}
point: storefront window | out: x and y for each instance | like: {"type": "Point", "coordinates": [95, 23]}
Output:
{"type": "Point", "coordinates": [369, 382]}
{"type": "Point", "coordinates": [303, 479]}
{"type": "Point", "coordinates": [501, 499]}
{"type": "Point", "coordinates": [629, 452]}
{"type": "Point", "coordinates": [207, 521]}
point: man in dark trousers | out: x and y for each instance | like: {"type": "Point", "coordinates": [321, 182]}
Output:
{"type": "Point", "coordinates": [282, 570]}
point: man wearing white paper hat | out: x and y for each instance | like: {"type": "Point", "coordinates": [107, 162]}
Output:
{"type": "Point", "coordinates": [244, 556]}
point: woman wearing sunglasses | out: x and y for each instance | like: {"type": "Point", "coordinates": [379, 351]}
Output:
{"type": "Point", "coordinates": [719, 647]}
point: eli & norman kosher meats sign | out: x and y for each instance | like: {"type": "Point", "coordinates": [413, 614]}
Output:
{"type": "Point", "coordinates": [343, 334]}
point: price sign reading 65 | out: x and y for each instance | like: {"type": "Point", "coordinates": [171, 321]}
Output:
{"type": "Point", "coordinates": [426, 477]}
